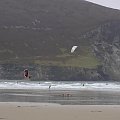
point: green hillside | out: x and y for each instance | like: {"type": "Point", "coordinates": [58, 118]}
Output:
{"type": "Point", "coordinates": [43, 31]}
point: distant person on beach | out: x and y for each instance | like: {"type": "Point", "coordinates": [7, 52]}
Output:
{"type": "Point", "coordinates": [26, 74]}
{"type": "Point", "coordinates": [49, 87]}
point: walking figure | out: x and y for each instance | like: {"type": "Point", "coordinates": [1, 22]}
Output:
{"type": "Point", "coordinates": [49, 87]}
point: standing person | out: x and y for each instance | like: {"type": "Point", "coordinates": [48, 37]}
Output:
{"type": "Point", "coordinates": [49, 87]}
{"type": "Point", "coordinates": [26, 73]}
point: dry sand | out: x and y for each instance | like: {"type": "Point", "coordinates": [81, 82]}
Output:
{"type": "Point", "coordinates": [46, 111]}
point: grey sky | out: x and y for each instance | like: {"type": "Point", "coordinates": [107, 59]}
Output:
{"type": "Point", "coordinates": [108, 3]}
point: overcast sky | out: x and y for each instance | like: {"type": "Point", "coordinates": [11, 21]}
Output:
{"type": "Point", "coordinates": [108, 3]}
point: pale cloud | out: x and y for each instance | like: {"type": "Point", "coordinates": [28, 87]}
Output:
{"type": "Point", "coordinates": [108, 3]}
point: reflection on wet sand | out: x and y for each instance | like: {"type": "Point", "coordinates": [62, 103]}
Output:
{"type": "Point", "coordinates": [64, 97]}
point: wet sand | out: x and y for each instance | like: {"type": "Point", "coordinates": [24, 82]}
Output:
{"type": "Point", "coordinates": [46, 111]}
{"type": "Point", "coordinates": [63, 97]}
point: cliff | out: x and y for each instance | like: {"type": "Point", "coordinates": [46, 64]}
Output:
{"type": "Point", "coordinates": [105, 42]}
{"type": "Point", "coordinates": [54, 73]}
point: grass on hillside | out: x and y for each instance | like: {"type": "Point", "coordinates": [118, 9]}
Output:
{"type": "Point", "coordinates": [82, 57]}
{"type": "Point", "coordinates": [85, 59]}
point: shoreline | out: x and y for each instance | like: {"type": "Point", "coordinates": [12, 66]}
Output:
{"type": "Point", "coordinates": [48, 111]}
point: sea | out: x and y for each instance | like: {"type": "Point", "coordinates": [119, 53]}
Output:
{"type": "Point", "coordinates": [60, 85]}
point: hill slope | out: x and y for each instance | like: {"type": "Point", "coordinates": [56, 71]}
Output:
{"type": "Point", "coordinates": [39, 34]}
{"type": "Point", "coordinates": [45, 28]}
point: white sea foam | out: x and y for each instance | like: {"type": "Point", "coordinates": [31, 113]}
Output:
{"type": "Point", "coordinates": [60, 85]}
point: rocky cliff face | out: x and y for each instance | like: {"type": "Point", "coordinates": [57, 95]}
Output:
{"type": "Point", "coordinates": [105, 42]}
{"type": "Point", "coordinates": [37, 72]}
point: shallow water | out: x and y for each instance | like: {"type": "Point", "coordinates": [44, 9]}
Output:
{"type": "Point", "coordinates": [63, 97]}
{"type": "Point", "coordinates": [60, 85]}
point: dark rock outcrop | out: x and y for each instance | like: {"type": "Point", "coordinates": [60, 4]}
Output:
{"type": "Point", "coordinates": [105, 42]}
{"type": "Point", "coordinates": [37, 72]}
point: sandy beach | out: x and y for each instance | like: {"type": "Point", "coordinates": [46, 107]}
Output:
{"type": "Point", "coordinates": [36, 104]}
{"type": "Point", "coordinates": [46, 111]}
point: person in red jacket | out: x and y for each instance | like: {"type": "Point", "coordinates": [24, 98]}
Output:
{"type": "Point", "coordinates": [26, 73]}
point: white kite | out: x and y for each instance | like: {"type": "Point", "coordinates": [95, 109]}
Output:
{"type": "Point", "coordinates": [73, 49]}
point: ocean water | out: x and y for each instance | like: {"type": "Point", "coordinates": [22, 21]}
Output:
{"type": "Point", "coordinates": [60, 85]}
